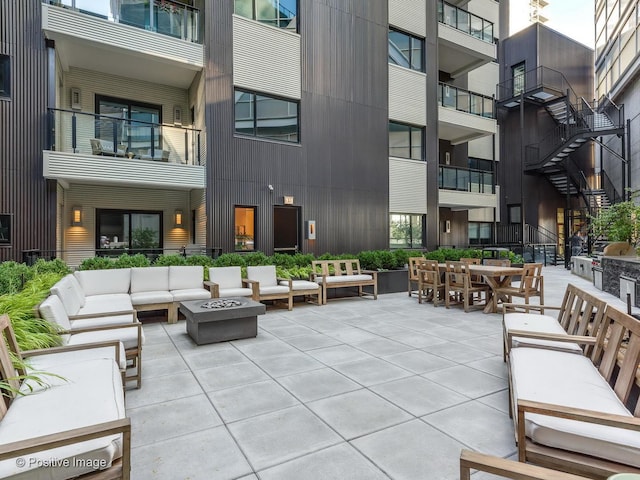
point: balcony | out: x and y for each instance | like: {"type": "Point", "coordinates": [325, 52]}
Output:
{"type": "Point", "coordinates": [156, 41]}
{"type": "Point", "coordinates": [465, 188]}
{"type": "Point", "coordinates": [98, 149]}
{"type": "Point", "coordinates": [466, 41]}
{"type": "Point", "coordinates": [463, 115]}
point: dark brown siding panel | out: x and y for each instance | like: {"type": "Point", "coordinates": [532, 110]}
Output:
{"type": "Point", "coordinates": [23, 190]}
{"type": "Point", "coordinates": [339, 173]}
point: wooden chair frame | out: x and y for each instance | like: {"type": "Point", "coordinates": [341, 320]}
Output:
{"type": "Point", "coordinates": [414, 275]}
{"type": "Point", "coordinates": [459, 287]}
{"type": "Point", "coordinates": [430, 284]}
{"type": "Point", "coordinates": [531, 285]}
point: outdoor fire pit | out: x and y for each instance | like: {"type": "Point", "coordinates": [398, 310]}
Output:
{"type": "Point", "coordinates": [221, 319]}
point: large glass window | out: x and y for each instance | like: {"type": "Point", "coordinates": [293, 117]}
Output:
{"type": "Point", "coordinates": [263, 116]}
{"type": "Point", "coordinates": [5, 229]}
{"type": "Point", "coordinates": [134, 124]}
{"type": "Point", "coordinates": [480, 233]}
{"type": "Point", "coordinates": [406, 141]}
{"type": "Point", "coordinates": [136, 231]}
{"type": "Point", "coordinates": [517, 76]}
{"type": "Point", "coordinates": [405, 230]}
{"type": "Point", "coordinates": [406, 50]}
{"type": "Point", "coordinates": [245, 228]}
{"type": "Point", "coordinates": [278, 13]}
{"type": "Point", "coordinates": [5, 71]}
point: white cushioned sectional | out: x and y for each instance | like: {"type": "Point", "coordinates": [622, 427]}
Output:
{"type": "Point", "coordinates": [229, 281]}
{"type": "Point", "coordinates": [555, 377]}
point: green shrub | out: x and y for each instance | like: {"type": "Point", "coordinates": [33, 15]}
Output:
{"type": "Point", "coordinates": [169, 260]}
{"type": "Point", "coordinates": [127, 261]}
{"type": "Point", "coordinates": [303, 259]}
{"type": "Point", "coordinates": [437, 255]}
{"type": "Point", "coordinates": [96, 263]}
{"type": "Point", "coordinates": [295, 272]}
{"type": "Point", "coordinates": [282, 260]}
{"type": "Point", "coordinates": [51, 266]}
{"type": "Point", "coordinates": [402, 257]}
{"type": "Point", "coordinates": [13, 276]}
{"type": "Point", "coordinates": [256, 259]}
{"type": "Point", "coordinates": [229, 260]}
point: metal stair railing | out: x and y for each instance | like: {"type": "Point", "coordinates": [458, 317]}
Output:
{"type": "Point", "coordinates": [609, 188]}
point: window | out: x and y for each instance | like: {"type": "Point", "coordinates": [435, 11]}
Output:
{"type": "Point", "coordinates": [277, 13]}
{"type": "Point", "coordinates": [405, 230]}
{"type": "Point", "coordinates": [480, 233]}
{"type": "Point", "coordinates": [5, 84]}
{"type": "Point", "coordinates": [406, 50]}
{"type": "Point", "coordinates": [515, 214]}
{"type": "Point", "coordinates": [406, 141]}
{"type": "Point", "coordinates": [517, 75]}
{"type": "Point", "coordinates": [263, 116]}
{"type": "Point", "coordinates": [134, 124]}
{"type": "Point", "coordinates": [137, 231]}
{"type": "Point", "coordinates": [5, 229]}
{"type": "Point", "coordinates": [245, 228]}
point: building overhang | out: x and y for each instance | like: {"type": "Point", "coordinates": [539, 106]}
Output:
{"type": "Point", "coordinates": [460, 127]}
{"type": "Point", "coordinates": [456, 200]}
{"type": "Point", "coordinates": [459, 52]}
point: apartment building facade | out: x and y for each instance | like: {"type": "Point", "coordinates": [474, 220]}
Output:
{"type": "Point", "coordinates": [281, 126]}
{"type": "Point", "coordinates": [617, 69]}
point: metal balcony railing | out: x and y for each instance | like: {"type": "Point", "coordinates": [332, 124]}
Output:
{"type": "Point", "coordinates": [465, 21]}
{"type": "Point", "coordinates": [465, 179]}
{"type": "Point", "coordinates": [88, 133]}
{"type": "Point", "coordinates": [466, 101]}
{"type": "Point", "coordinates": [541, 77]}
{"type": "Point", "coordinates": [166, 17]}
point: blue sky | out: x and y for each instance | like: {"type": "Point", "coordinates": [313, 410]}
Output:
{"type": "Point", "coordinates": [574, 18]}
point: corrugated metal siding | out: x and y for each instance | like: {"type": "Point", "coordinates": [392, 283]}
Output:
{"type": "Point", "coordinates": [97, 169]}
{"type": "Point", "coordinates": [89, 28]}
{"type": "Point", "coordinates": [266, 59]}
{"type": "Point", "coordinates": [80, 241]}
{"type": "Point", "coordinates": [198, 199]}
{"type": "Point", "coordinates": [407, 186]}
{"type": "Point", "coordinates": [408, 15]}
{"type": "Point", "coordinates": [23, 190]}
{"type": "Point", "coordinates": [407, 95]}
{"type": "Point", "coordinates": [338, 175]}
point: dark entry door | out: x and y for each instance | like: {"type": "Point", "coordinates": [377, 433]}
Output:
{"type": "Point", "coordinates": [286, 229]}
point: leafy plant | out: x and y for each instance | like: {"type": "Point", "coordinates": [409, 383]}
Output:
{"type": "Point", "coordinates": [144, 238]}
{"type": "Point", "coordinates": [51, 266]}
{"type": "Point", "coordinates": [256, 259]}
{"type": "Point", "coordinates": [620, 222]}
{"type": "Point", "coordinates": [96, 263]}
{"type": "Point", "coordinates": [126, 261]}
{"type": "Point", "coordinates": [13, 276]}
{"type": "Point", "coordinates": [402, 257]}
{"type": "Point", "coordinates": [169, 260]}
{"type": "Point", "coordinates": [229, 260]}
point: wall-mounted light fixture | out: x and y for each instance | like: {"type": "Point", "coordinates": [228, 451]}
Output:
{"type": "Point", "coordinates": [76, 216]}
{"type": "Point", "coordinates": [178, 219]}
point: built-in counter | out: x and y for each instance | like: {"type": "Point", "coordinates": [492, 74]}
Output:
{"type": "Point", "coordinates": [621, 275]}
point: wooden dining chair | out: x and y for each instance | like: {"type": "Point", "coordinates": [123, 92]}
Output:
{"type": "Point", "coordinates": [459, 287]}
{"type": "Point", "coordinates": [414, 265]}
{"type": "Point", "coordinates": [531, 285]}
{"type": "Point", "coordinates": [430, 286]}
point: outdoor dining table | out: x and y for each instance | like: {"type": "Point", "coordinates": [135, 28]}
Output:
{"type": "Point", "coordinates": [495, 276]}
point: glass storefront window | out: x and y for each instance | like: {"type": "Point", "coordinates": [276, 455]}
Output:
{"type": "Point", "coordinates": [245, 228]}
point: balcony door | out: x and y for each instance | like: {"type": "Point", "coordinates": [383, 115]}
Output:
{"type": "Point", "coordinates": [125, 122]}
{"type": "Point", "coordinates": [286, 229]}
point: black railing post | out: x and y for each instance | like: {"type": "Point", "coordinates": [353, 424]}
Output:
{"type": "Point", "coordinates": [114, 128]}
{"type": "Point", "coordinates": [153, 142]}
{"type": "Point", "coordinates": [199, 159]}
{"type": "Point", "coordinates": [186, 147]}
{"type": "Point", "coordinates": [51, 130]}
{"type": "Point", "coordinates": [74, 132]}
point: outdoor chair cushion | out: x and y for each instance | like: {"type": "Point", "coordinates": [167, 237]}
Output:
{"type": "Point", "coordinates": [270, 290]}
{"type": "Point", "coordinates": [348, 278]}
{"type": "Point", "coordinates": [149, 279]}
{"type": "Point", "coordinates": [105, 304]}
{"type": "Point", "coordinates": [530, 322]}
{"type": "Point", "coordinates": [91, 394]}
{"type": "Point", "coordinates": [128, 337]}
{"type": "Point", "coordinates": [226, 277]}
{"type": "Point", "coordinates": [235, 292]}
{"type": "Point", "coordinates": [264, 274]}
{"type": "Point", "coordinates": [102, 282]}
{"type": "Point", "coordinates": [70, 292]}
{"type": "Point", "coordinates": [300, 285]}
{"type": "Point", "coordinates": [51, 362]}
{"type": "Point", "coordinates": [570, 380]}
{"type": "Point", "coordinates": [150, 297]}
{"type": "Point", "coordinates": [186, 277]}
{"type": "Point", "coordinates": [190, 294]}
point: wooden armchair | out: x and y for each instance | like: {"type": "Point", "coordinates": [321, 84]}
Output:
{"type": "Point", "coordinates": [413, 273]}
{"type": "Point", "coordinates": [266, 285]}
{"type": "Point", "coordinates": [459, 288]}
{"type": "Point", "coordinates": [531, 285]}
{"type": "Point", "coordinates": [430, 286]}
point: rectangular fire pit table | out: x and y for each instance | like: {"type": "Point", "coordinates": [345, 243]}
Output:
{"type": "Point", "coordinates": [211, 325]}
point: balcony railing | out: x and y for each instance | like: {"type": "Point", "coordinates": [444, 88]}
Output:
{"type": "Point", "coordinates": [166, 17]}
{"type": "Point", "coordinates": [465, 101]}
{"type": "Point", "coordinates": [465, 180]}
{"type": "Point", "coordinates": [88, 133]}
{"type": "Point", "coordinates": [465, 21]}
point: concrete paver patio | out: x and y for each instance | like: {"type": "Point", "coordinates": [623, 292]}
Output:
{"type": "Point", "coordinates": [356, 389]}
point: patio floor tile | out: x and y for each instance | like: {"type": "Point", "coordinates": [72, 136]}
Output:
{"type": "Point", "coordinates": [273, 438]}
{"type": "Point", "coordinates": [467, 381]}
{"type": "Point", "coordinates": [338, 354]}
{"type": "Point", "coordinates": [371, 371]}
{"type": "Point", "coordinates": [289, 364]}
{"type": "Point", "coordinates": [317, 384]}
{"type": "Point", "coordinates": [161, 389]}
{"type": "Point", "coordinates": [218, 378]}
{"type": "Point", "coordinates": [312, 341]}
{"type": "Point", "coordinates": [357, 413]}
{"type": "Point", "coordinates": [418, 361]}
{"type": "Point", "coordinates": [339, 462]}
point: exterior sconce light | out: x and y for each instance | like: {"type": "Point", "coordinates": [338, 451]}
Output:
{"type": "Point", "coordinates": [76, 216]}
{"type": "Point", "coordinates": [178, 219]}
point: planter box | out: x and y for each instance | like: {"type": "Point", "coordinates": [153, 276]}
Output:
{"type": "Point", "coordinates": [389, 281]}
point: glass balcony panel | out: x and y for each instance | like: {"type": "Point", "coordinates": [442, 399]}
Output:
{"type": "Point", "coordinates": [464, 23]}
{"type": "Point", "coordinates": [416, 144]}
{"type": "Point", "coordinates": [463, 101]}
{"type": "Point", "coordinates": [463, 180]}
{"type": "Point", "coordinates": [475, 104]}
{"type": "Point", "coordinates": [487, 34]}
{"type": "Point", "coordinates": [487, 109]}
{"type": "Point", "coordinates": [476, 27]}
{"type": "Point", "coordinates": [449, 96]}
{"type": "Point", "coordinates": [475, 182]}
{"type": "Point", "coordinates": [448, 178]}
{"type": "Point", "coordinates": [450, 15]}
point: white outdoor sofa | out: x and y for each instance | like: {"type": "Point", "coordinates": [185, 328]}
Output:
{"type": "Point", "coordinates": [76, 426]}
{"type": "Point", "coordinates": [100, 292]}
